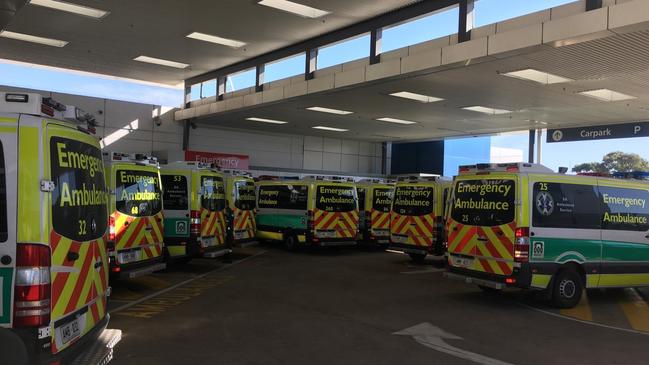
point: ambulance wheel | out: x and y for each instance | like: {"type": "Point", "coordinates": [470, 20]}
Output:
{"type": "Point", "coordinates": [567, 289]}
{"type": "Point", "coordinates": [290, 242]}
{"type": "Point", "coordinates": [417, 257]}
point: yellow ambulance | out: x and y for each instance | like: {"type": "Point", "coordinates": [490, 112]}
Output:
{"type": "Point", "coordinates": [241, 203]}
{"type": "Point", "coordinates": [523, 225]}
{"type": "Point", "coordinates": [374, 203]}
{"type": "Point", "coordinates": [135, 243]}
{"type": "Point", "coordinates": [314, 211]}
{"type": "Point", "coordinates": [195, 204]}
{"type": "Point", "coordinates": [416, 216]}
{"type": "Point", "coordinates": [53, 231]}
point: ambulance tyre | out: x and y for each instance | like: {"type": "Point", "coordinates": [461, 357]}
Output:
{"type": "Point", "coordinates": [567, 288]}
{"type": "Point", "coordinates": [12, 348]}
{"type": "Point", "coordinates": [290, 241]}
{"type": "Point", "coordinates": [418, 257]}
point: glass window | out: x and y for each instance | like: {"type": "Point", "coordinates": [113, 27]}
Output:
{"type": "Point", "coordinates": [413, 200]}
{"type": "Point", "coordinates": [79, 199]}
{"type": "Point", "coordinates": [625, 209]}
{"type": "Point", "coordinates": [137, 193]}
{"type": "Point", "coordinates": [3, 197]}
{"type": "Point", "coordinates": [332, 198]}
{"type": "Point", "coordinates": [241, 80]}
{"type": "Point", "coordinates": [287, 67]}
{"type": "Point", "coordinates": [345, 51]}
{"type": "Point", "coordinates": [245, 195]}
{"type": "Point", "coordinates": [174, 192]}
{"type": "Point", "coordinates": [559, 205]}
{"type": "Point", "coordinates": [382, 199]}
{"type": "Point", "coordinates": [212, 193]}
{"type": "Point", "coordinates": [424, 29]}
{"type": "Point", "coordinates": [488, 202]}
{"type": "Point", "coordinates": [493, 11]}
{"type": "Point", "coordinates": [208, 89]}
{"type": "Point", "coordinates": [361, 192]}
{"type": "Point", "coordinates": [283, 197]}
{"type": "Point", "coordinates": [195, 92]}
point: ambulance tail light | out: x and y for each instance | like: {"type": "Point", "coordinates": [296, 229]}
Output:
{"type": "Point", "coordinates": [310, 222]}
{"type": "Point", "coordinates": [32, 304]}
{"type": "Point", "coordinates": [522, 244]}
{"type": "Point", "coordinates": [195, 223]}
{"type": "Point", "coordinates": [111, 229]}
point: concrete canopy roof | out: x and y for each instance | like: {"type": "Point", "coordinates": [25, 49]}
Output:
{"type": "Point", "coordinates": [158, 29]}
{"type": "Point", "coordinates": [604, 48]}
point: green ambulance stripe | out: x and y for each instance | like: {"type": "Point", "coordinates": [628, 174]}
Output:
{"type": "Point", "coordinates": [6, 276]}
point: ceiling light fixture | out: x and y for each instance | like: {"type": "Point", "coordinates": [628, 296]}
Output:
{"type": "Point", "coordinates": [71, 8]}
{"type": "Point", "coordinates": [161, 62]}
{"type": "Point", "coordinates": [395, 120]}
{"type": "Point", "coordinates": [606, 95]}
{"type": "Point", "coordinates": [541, 77]}
{"type": "Point", "coordinates": [216, 39]}
{"type": "Point", "coordinates": [264, 120]}
{"type": "Point", "coordinates": [295, 8]}
{"type": "Point", "coordinates": [332, 129]}
{"type": "Point", "coordinates": [33, 39]}
{"type": "Point", "coordinates": [416, 97]}
{"type": "Point", "coordinates": [329, 110]}
{"type": "Point", "coordinates": [486, 110]}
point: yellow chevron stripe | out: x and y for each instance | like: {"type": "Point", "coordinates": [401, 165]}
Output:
{"type": "Point", "coordinates": [71, 282]}
{"type": "Point", "coordinates": [495, 241]}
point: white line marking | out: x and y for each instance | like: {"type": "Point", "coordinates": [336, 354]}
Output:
{"type": "Point", "coordinates": [433, 337]}
{"type": "Point", "coordinates": [584, 322]}
{"type": "Point", "coordinates": [126, 306]}
{"type": "Point", "coordinates": [424, 271]}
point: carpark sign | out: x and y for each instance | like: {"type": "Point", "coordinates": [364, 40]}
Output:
{"type": "Point", "coordinates": [629, 130]}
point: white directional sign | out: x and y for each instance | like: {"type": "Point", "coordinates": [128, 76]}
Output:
{"type": "Point", "coordinates": [434, 337]}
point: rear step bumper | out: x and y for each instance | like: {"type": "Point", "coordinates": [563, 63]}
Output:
{"type": "Point", "coordinates": [101, 351]}
{"type": "Point", "coordinates": [473, 280]}
{"type": "Point", "coordinates": [217, 253]}
{"type": "Point", "coordinates": [141, 271]}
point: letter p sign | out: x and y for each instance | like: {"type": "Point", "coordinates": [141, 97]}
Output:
{"type": "Point", "coordinates": [636, 129]}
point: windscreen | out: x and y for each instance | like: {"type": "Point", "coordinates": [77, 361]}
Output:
{"type": "Point", "coordinates": [293, 197]}
{"type": "Point", "coordinates": [137, 193]}
{"type": "Point", "coordinates": [212, 193]}
{"type": "Point", "coordinates": [413, 200]}
{"type": "Point", "coordinates": [382, 199]}
{"type": "Point", "coordinates": [334, 198]}
{"type": "Point", "coordinates": [244, 195]}
{"type": "Point", "coordinates": [79, 199]}
{"type": "Point", "coordinates": [175, 192]}
{"type": "Point", "coordinates": [488, 202]}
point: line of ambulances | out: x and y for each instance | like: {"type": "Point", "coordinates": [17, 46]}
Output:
{"type": "Point", "coordinates": [71, 217]}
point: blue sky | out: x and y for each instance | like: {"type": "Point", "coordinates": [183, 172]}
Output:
{"type": "Point", "coordinates": [420, 30]}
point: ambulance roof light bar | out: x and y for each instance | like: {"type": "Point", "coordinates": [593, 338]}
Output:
{"type": "Point", "coordinates": [237, 172]}
{"type": "Point", "coordinates": [328, 178]}
{"type": "Point", "coordinates": [415, 178]}
{"type": "Point", "coordinates": [504, 167]}
{"type": "Point", "coordinates": [371, 181]}
{"type": "Point", "coordinates": [634, 175]}
{"type": "Point", "coordinates": [36, 104]}
{"type": "Point", "coordinates": [138, 158]}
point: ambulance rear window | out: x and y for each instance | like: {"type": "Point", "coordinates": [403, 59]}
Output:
{"type": "Point", "coordinates": [382, 199]}
{"type": "Point", "coordinates": [333, 198]}
{"type": "Point", "coordinates": [213, 193]}
{"type": "Point", "coordinates": [361, 192]}
{"type": "Point", "coordinates": [3, 197]}
{"type": "Point", "coordinates": [137, 193]}
{"type": "Point", "coordinates": [487, 203]}
{"type": "Point", "coordinates": [79, 198]}
{"type": "Point", "coordinates": [245, 195]}
{"type": "Point", "coordinates": [413, 200]}
{"type": "Point", "coordinates": [175, 192]}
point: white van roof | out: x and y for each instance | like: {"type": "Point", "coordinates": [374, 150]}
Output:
{"type": "Point", "coordinates": [36, 104]}
{"type": "Point", "coordinates": [506, 167]}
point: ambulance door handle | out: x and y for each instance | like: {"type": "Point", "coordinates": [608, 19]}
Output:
{"type": "Point", "coordinates": [98, 264]}
{"type": "Point", "coordinates": [73, 256]}
{"type": "Point", "coordinates": [647, 236]}
{"type": "Point", "coordinates": [186, 215]}
{"type": "Point", "coordinates": [483, 239]}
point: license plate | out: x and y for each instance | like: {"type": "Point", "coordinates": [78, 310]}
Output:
{"type": "Point", "coordinates": [129, 256]}
{"type": "Point", "coordinates": [400, 239]}
{"type": "Point", "coordinates": [208, 241]}
{"type": "Point", "coordinates": [240, 235]}
{"type": "Point", "coordinates": [381, 232]}
{"type": "Point", "coordinates": [327, 234]}
{"type": "Point", "coordinates": [462, 261]}
{"type": "Point", "coordinates": [70, 331]}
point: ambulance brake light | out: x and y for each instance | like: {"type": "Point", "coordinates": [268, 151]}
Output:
{"type": "Point", "coordinates": [111, 229]}
{"type": "Point", "coordinates": [522, 244]}
{"type": "Point", "coordinates": [195, 223]}
{"type": "Point", "coordinates": [510, 281]}
{"type": "Point", "coordinates": [32, 306]}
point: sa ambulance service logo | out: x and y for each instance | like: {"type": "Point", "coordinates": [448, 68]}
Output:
{"type": "Point", "coordinates": [181, 227]}
{"type": "Point", "coordinates": [538, 249]}
{"type": "Point", "coordinates": [544, 203]}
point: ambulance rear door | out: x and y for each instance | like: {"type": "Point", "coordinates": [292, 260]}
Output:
{"type": "Point", "coordinates": [8, 189]}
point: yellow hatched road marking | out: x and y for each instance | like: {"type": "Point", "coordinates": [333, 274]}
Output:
{"type": "Point", "coordinates": [581, 311]}
{"type": "Point", "coordinates": [636, 309]}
